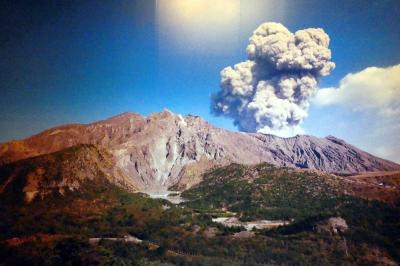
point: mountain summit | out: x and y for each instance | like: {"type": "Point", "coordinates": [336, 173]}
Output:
{"type": "Point", "coordinates": [166, 149]}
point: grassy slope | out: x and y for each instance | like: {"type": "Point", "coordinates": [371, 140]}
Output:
{"type": "Point", "coordinates": [58, 171]}
{"type": "Point", "coordinates": [264, 192]}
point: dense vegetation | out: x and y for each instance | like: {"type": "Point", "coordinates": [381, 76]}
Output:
{"type": "Point", "coordinates": [56, 230]}
{"type": "Point", "coordinates": [264, 191]}
{"type": "Point", "coordinates": [306, 198]}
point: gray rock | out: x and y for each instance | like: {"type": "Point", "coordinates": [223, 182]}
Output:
{"type": "Point", "coordinates": [334, 225]}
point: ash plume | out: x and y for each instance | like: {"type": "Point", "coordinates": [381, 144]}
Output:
{"type": "Point", "coordinates": [270, 91]}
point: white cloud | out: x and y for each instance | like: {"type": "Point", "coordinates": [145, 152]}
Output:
{"type": "Point", "coordinates": [372, 100]}
{"type": "Point", "coordinates": [372, 88]}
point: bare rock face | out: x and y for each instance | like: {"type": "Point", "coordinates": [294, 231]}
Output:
{"type": "Point", "coordinates": [338, 225]}
{"type": "Point", "coordinates": [166, 149]}
{"type": "Point", "coordinates": [334, 225]}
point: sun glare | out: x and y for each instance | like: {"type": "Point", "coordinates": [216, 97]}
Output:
{"type": "Point", "coordinates": [201, 25]}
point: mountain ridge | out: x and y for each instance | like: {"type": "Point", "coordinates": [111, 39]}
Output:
{"type": "Point", "coordinates": [167, 149]}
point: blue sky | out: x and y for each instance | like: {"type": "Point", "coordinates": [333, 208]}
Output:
{"type": "Point", "coordinates": [69, 61]}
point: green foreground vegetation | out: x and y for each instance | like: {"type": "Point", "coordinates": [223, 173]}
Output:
{"type": "Point", "coordinates": [55, 230]}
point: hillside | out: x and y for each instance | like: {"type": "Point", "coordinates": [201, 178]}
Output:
{"type": "Point", "coordinates": [267, 191]}
{"type": "Point", "coordinates": [304, 198]}
{"type": "Point", "coordinates": [166, 149]}
{"type": "Point", "coordinates": [60, 229]}
{"type": "Point", "coordinates": [59, 173]}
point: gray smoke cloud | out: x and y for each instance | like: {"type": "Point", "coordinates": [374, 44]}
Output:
{"type": "Point", "coordinates": [270, 92]}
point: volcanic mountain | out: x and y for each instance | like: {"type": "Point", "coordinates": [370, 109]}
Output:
{"type": "Point", "coordinates": [165, 149]}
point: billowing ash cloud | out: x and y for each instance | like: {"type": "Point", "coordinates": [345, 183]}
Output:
{"type": "Point", "coordinates": [270, 92]}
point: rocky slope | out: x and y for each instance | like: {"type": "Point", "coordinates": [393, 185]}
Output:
{"type": "Point", "coordinates": [59, 173]}
{"type": "Point", "coordinates": [166, 149]}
